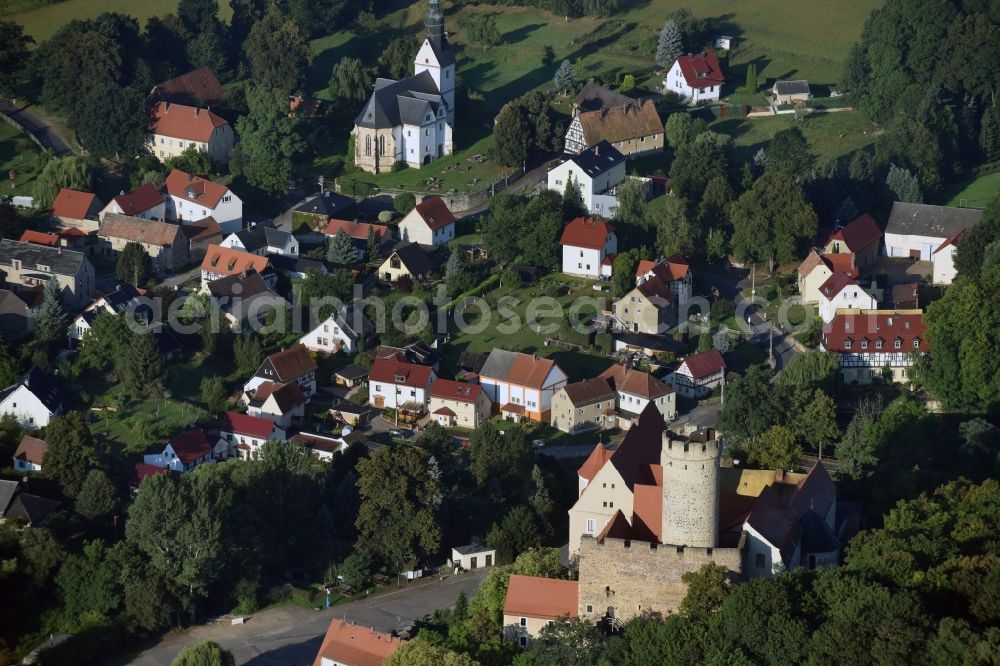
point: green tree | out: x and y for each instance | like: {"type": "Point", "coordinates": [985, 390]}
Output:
{"type": "Point", "coordinates": [503, 227]}
{"type": "Point", "coordinates": [98, 497]}
{"type": "Point", "coordinates": [631, 202]}
{"type": "Point", "coordinates": [247, 354]}
{"type": "Point", "coordinates": [104, 343]}
{"type": "Point", "coordinates": [396, 60]}
{"type": "Point", "coordinates": [707, 588]}
{"type": "Point", "coordinates": [205, 653]}
{"type": "Point", "coordinates": [811, 370]}
{"type": "Point", "coordinates": [669, 45]}
{"type": "Point", "coordinates": [51, 321]}
{"type": "Point", "coordinates": [772, 222]}
{"type": "Point", "coordinates": [713, 210]}
{"type": "Point", "coordinates": [989, 134]}
{"type": "Point", "coordinates": [72, 452]}
{"type": "Point", "coordinates": [134, 265]}
{"type": "Point", "coordinates": [903, 185]}
{"type": "Point", "coordinates": [268, 141]}
{"type": "Point", "coordinates": [776, 448]}
{"type": "Point", "coordinates": [74, 173]}
{"type": "Point", "coordinates": [695, 164]}
{"type": "Point", "coordinates": [483, 30]}
{"type": "Point", "coordinates": [623, 271]}
{"type": "Point", "coordinates": [89, 583]}
{"type": "Point", "coordinates": [788, 151]}
{"type": "Point", "coordinates": [857, 451]}
{"type": "Point", "coordinates": [817, 422]}
{"type": "Point", "coordinates": [14, 52]}
{"type": "Point", "coordinates": [751, 407]}
{"type": "Point", "coordinates": [419, 652]}
{"type": "Point", "coordinates": [572, 201]}
{"type": "Point", "coordinates": [197, 15]}
{"type": "Point", "coordinates": [214, 394]}
{"type": "Point", "coordinates": [628, 83]}
{"type": "Point", "coordinates": [356, 570]}
{"type": "Point", "coordinates": [540, 241]}
{"type": "Point", "coordinates": [278, 54]}
{"type": "Point", "coordinates": [400, 500]}
{"type": "Point", "coordinates": [208, 49]}
{"type": "Point", "coordinates": [565, 78]}
{"type": "Point", "coordinates": [350, 80]}
{"type": "Point", "coordinates": [341, 251]}
{"type": "Point", "coordinates": [975, 240]}
{"type": "Point", "coordinates": [517, 533]}
{"type": "Point", "coordinates": [675, 234]}
{"type": "Point", "coordinates": [142, 369]}
{"type": "Point", "coordinates": [372, 255]}
{"type": "Point", "coordinates": [191, 160]}
{"type": "Point", "coordinates": [750, 85]}
{"type": "Point", "coordinates": [511, 136]}
{"type": "Point", "coordinates": [404, 203]}
{"type": "Point", "coordinates": [679, 129]}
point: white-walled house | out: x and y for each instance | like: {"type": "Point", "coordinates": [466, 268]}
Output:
{"type": "Point", "coordinates": [698, 374]}
{"type": "Point", "coordinates": [393, 383]}
{"type": "Point", "coordinates": [281, 403]}
{"type": "Point", "coordinates": [596, 171]}
{"type": "Point", "coordinates": [174, 128]}
{"type": "Point", "coordinates": [343, 330]}
{"type": "Point", "coordinates": [186, 451]}
{"type": "Point", "coordinates": [521, 383]}
{"type": "Point", "coordinates": [145, 202]}
{"type": "Point", "coordinates": [246, 434]}
{"type": "Point", "coordinates": [695, 78]}
{"type": "Point", "coordinates": [429, 223]}
{"type": "Point", "coordinates": [589, 247]}
{"type": "Point", "coordinates": [33, 400]}
{"type": "Point", "coordinates": [944, 260]}
{"type": "Point", "coordinates": [294, 364]}
{"type": "Point", "coordinates": [842, 292]}
{"type": "Point", "coordinates": [30, 455]}
{"type": "Point", "coordinates": [193, 198]}
{"type": "Point", "coordinates": [866, 343]}
{"type": "Point", "coordinates": [636, 389]}
{"type": "Point", "coordinates": [263, 239]}
{"type": "Point", "coordinates": [918, 231]}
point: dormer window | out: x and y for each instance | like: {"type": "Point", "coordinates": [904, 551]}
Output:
{"type": "Point", "coordinates": [916, 344]}
{"type": "Point", "coordinates": [898, 343]}
{"type": "Point", "coordinates": [400, 379]}
{"type": "Point", "coordinates": [864, 344]}
{"type": "Point", "coordinates": [878, 344]}
{"type": "Point", "coordinates": [847, 344]}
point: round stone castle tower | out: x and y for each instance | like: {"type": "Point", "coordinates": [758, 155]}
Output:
{"type": "Point", "coordinates": [690, 512]}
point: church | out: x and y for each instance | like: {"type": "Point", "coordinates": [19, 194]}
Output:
{"type": "Point", "coordinates": [411, 121]}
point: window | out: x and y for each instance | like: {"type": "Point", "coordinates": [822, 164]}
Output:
{"type": "Point", "coordinates": [898, 344]}
{"type": "Point", "coordinates": [590, 609]}
{"type": "Point", "coordinates": [847, 344]}
{"type": "Point", "coordinates": [864, 344]}
{"type": "Point", "coordinates": [916, 344]}
{"type": "Point", "coordinates": [878, 344]}
{"type": "Point", "coordinates": [591, 523]}
{"type": "Point", "coordinates": [522, 641]}
{"type": "Point", "coordinates": [524, 622]}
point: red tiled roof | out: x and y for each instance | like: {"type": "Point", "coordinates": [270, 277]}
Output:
{"type": "Point", "coordinates": [586, 232]}
{"type": "Point", "coordinates": [670, 269]}
{"type": "Point", "coordinates": [230, 261]}
{"type": "Point", "coordinates": [72, 232]}
{"type": "Point", "coordinates": [950, 240]}
{"type": "Point", "coordinates": [394, 371]}
{"type": "Point", "coordinates": [31, 449]}
{"type": "Point", "coordinates": [872, 326]}
{"type": "Point", "coordinates": [142, 470]}
{"type": "Point", "coordinates": [808, 264]}
{"type": "Point", "coordinates": [609, 260]}
{"type": "Point", "coordinates": [191, 445]}
{"type": "Point", "coordinates": [139, 200]}
{"type": "Point", "coordinates": [594, 462]}
{"type": "Point", "coordinates": [701, 70]}
{"type": "Point", "coordinates": [835, 284]}
{"type": "Point", "coordinates": [292, 362]}
{"type": "Point", "coordinates": [358, 230]}
{"type": "Point", "coordinates": [40, 238]}
{"type": "Point", "coordinates": [193, 188]}
{"type": "Point", "coordinates": [184, 122]}
{"type": "Point", "coordinates": [704, 364]}
{"type": "Point", "coordinates": [286, 396]}
{"type": "Point", "coordinates": [199, 85]}
{"type": "Point", "coordinates": [843, 262]}
{"type": "Point", "coordinates": [636, 382]}
{"type": "Point", "coordinates": [444, 411]}
{"type": "Point", "coordinates": [73, 204]}
{"type": "Point", "coordinates": [511, 408]}
{"type": "Point", "coordinates": [617, 528]}
{"type": "Point", "coordinates": [544, 598]}
{"type": "Point", "coordinates": [347, 643]}
{"type": "Point", "coordinates": [647, 507]}
{"type": "Point", "coordinates": [858, 234]}
{"type": "Point", "coordinates": [448, 389]}
{"type": "Point", "coordinates": [435, 213]}
{"type": "Point", "coordinates": [244, 424]}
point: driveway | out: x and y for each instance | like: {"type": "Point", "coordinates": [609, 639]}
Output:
{"type": "Point", "coordinates": [292, 634]}
{"type": "Point", "coordinates": [43, 131]}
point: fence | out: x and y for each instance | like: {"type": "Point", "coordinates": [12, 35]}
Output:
{"type": "Point", "coordinates": [456, 202]}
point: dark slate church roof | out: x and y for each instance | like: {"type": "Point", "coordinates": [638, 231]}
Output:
{"type": "Point", "coordinates": [404, 102]}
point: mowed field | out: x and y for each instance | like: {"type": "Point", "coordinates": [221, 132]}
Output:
{"type": "Point", "coordinates": [42, 22]}
{"type": "Point", "coordinates": [977, 194]}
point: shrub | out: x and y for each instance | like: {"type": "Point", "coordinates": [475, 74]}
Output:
{"type": "Point", "coordinates": [404, 202]}
{"type": "Point", "coordinates": [605, 342]}
{"type": "Point", "coordinates": [722, 309]}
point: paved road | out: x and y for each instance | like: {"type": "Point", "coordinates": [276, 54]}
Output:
{"type": "Point", "coordinates": [291, 634]}
{"type": "Point", "coordinates": [40, 128]}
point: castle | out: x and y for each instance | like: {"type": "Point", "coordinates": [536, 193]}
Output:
{"type": "Point", "coordinates": [411, 121]}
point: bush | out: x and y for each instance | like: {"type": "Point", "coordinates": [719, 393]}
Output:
{"type": "Point", "coordinates": [385, 216]}
{"type": "Point", "coordinates": [604, 342]}
{"type": "Point", "coordinates": [404, 202]}
{"type": "Point", "coordinates": [722, 309]}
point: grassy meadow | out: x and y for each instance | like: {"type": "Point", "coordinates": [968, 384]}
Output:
{"type": "Point", "coordinates": [20, 156]}
{"type": "Point", "coordinates": [976, 194]}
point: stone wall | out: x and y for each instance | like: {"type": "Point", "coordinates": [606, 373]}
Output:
{"type": "Point", "coordinates": [635, 577]}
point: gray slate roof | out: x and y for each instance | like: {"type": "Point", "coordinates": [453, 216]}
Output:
{"type": "Point", "coordinates": [327, 204]}
{"type": "Point", "coordinates": [594, 96]}
{"type": "Point", "coordinates": [7, 491]}
{"type": "Point", "coordinates": [598, 159]}
{"type": "Point", "coordinates": [498, 363]}
{"type": "Point", "coordinates": [66, 262]}
{"type": "Point", "coordinates": [800, 87]}
{"type": "Point", "coordinates": [353, 321]}
{"type": "Point", "coordinates": [908, 219]}
{"type": "Point", "coordinates": [395, 103]}
{"type": "Point", "coordinates": [262, 235]}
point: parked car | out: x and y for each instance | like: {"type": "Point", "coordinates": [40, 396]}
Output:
{"type": "Point", "coordinates": [401, 433]}
{"type": "Point", "coordinates": [538, 443]}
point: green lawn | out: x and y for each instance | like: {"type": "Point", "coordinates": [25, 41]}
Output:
{"type": "Point", "coordinates": [42, 22]}
{"type": "Point", "coordinates": [978, 193]}
{"type": "Point", "coordinates": [20, 155]}
{"type": "Point", "coordinates": [744, 355]}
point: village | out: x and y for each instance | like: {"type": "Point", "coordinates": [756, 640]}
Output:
{"type": "Point", "coordinates": [554, 369]}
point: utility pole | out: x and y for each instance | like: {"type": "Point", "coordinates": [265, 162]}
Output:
{"type": "Point", "coordinates": [322, 182]}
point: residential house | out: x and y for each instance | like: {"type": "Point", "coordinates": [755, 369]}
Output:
{"type": "Point", "coordinates": [521, 385]}
{"type": "Point", "coordinates": [292, 365]}
{"type": "Point", "coordinates": [597, 171]}
{"type": "Point", "coordinates": [350, 414]}
{"type": "Point", "coordinates": [193, 198]}
{"type": "Point", "coordinates": [347, 644]}
{"type": "Point", "coordinates": [199, 87]}
{"type": "Point", "coordinates": [15, 322]}
{"type": "Point", "coordinates": [698, 374]}
{"type": "Point", "coordinates": [674, 271]}
{"type": "Point", "coordinates": [418, 352]}
{"type": "Point", "coordinates": [30, 454]}
{"type": "Point", "coordinates": [245, 300]}
{"type": "Point", "coordinates": [25, 268]}
{"type": "Point", "coordinates": [429, 223]}
{"type": "Point", "coordinates": [928, 233]}
{"type": "Point", "coordinates": [532, 602]}
{"type": "Point", "coordinates": [817, 268]}
{"type": "Point", "coordinates": [472, 556]}
{"type": "Point", "coordinates": [297, 268]}
{"type": "Point", "coordinates": [220, 262]}
{"type": "Point", "coordinates": [589, 248]}
{"type": "Point", "coordinates": [344, 330]}
{"type": "Point", "coordinates": [33, 400]}
{"type": "Point", "coordinates": [245, 434]}
{"type": "Point", "coordinates": [322, 446]}
{"type": "Point", "coordinates": [317, 210]}
{"type": "Point", "coordinates": [791, 92]}
{"type": "Point", "coordinates": [351, 375]}
{"type": "Point", "coordinates": [72, 208]}
{"type": "Point", "coordinates": [409, 261]}
{"type": "Point", "coordinates": [459, 404]}
{"type": "Point", "coordinates": [186, 451]}
{"type": "Point", "coordinates": [861, 237]}
{"type": "Point", "coordinates": [164, 242]}
{"type": "Point", "coordinates": [145, 202]}
{"type": "Point", "coordinates": [651, 308]}
{"type": "Point", "coordinates": [200, 235]}
{"type": "Point", "coordinates": [173, 128]}
{"type": "Point", "coordinates": [873, 343]}
{"type": "Point", "coordinates": [358, 232]}
{"type": "Point", "coordinates": [124, 299]}
{"type": "Point", "coordinates": [594, 97]}
{"type": "Point", "coordinates": [635, 389]}
{"type": "Point", "coordinates": [695, 78]}
{"type": "Point", "coordinates": [281, 403]}
{"type": "Point", "coordinates": [396, 384]}
{"type": "Point", "coordinates": [633, 128]}
{"type": "Point", "coordinates": [18, 505]}
{"type": "Point", "coordinates": [584, 405]}
{"type": "Point", "coordinates": [841, 292]}
{"type": "Point", "coordinates": [263, 239]}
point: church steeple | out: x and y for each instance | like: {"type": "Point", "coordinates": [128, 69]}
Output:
{"type": "Point", "coordinates": [434, 26]}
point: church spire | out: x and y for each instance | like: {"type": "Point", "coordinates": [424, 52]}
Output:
{"type": "Point", "coordinates": [434, 25]}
